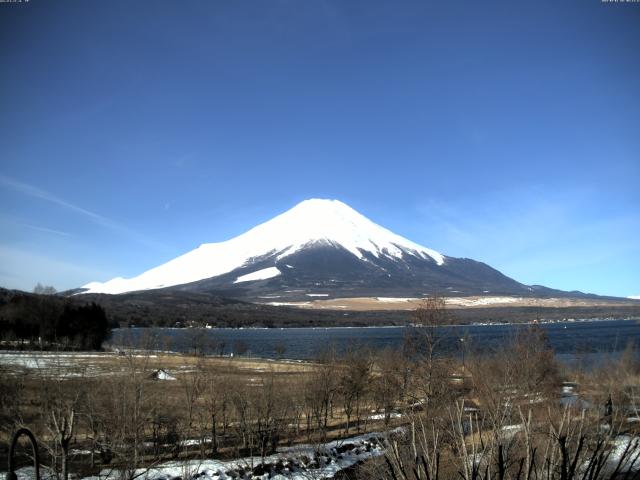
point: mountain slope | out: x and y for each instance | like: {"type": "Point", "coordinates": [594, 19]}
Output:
{"type": "Point", "coordinates": [318, 248]}
{"type": "Point", "coordinates": [309, 223]}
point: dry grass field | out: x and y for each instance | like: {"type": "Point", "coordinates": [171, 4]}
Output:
{"type": "Point", "coordinates": [180, 390]}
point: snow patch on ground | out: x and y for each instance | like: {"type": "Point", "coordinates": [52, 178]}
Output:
{"type": "Point", "coordinates": [289, 304]}
{"type": "Point", "coordinates": [263, 274]}
{"type": "Point", "coordinates": [626, 446]}
{"type": "Point", "coordinates": [299, 462]}
{"type": "Point", "coordinates": [381, 416]}
{"type": "Point", "coordinates": [59, 364]}
{"type": "Point", "coordinates": [393, 300]}
{"type": "Point", "coordinates": [47, 361]}
{"type": "Point", "coordinates": [508, 431]}
{"type": "Point", "coordinates": [475, 301]}
{"type": "Point", "coordinates": [163, 375]}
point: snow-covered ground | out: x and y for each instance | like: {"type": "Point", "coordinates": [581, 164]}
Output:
{"type": "Point", "coordinates": [300, 462]}
{"type": "Point", "coordinates": [629, 448]}
{"type": "Point", "coordinates": [62, 364]}
{"type": "Point", "coordinates": [49, 363]}
{"type": "Point", "coordinates": [34, 360]}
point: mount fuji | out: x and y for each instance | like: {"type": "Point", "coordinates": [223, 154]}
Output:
{"type": "Point", "coordinates": [320, 248]}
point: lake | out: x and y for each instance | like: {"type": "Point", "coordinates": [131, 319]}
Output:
{"type": "Point", "coordinates": [584, 341]}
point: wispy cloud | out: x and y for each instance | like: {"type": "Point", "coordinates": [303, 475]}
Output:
{"type": "Point", "coordinates": [36, 192]}
{"type": "Point", "coordinates": [45, 229]}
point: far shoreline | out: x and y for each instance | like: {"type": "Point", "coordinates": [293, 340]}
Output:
{"type": "Point", "coordinates": [409, 325]}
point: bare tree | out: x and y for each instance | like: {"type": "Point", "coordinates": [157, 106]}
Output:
{"type": "Point", "coordinates": [353, 383]}
{"type": "Point", "coordinates": [239, 399]}
{"type": "Point", "coordinates": [216, 398]}
{"type": "Point", "coordinates": [44, 289]}
{"type": "Point", "coordinates": [60, 402]}
{"type": "Point", "coordinates": [386, 384]}
{"type": "Point", "coordinates": [271, 407]}
{"type": "Point", "coordinates": [321, 387]}
{"type": "Point", "coordinates": [431, 369]}
{"type": "Point", "coordinates": [63, 429]}
{"type": "Point", "coordinates": [128, 410]}
{"type": "Point", "coordinates": [279, 349]}
{"type": "Point", "coordinates": [193, 385]}
{"type": "Point", "coordinates": [240, 347]}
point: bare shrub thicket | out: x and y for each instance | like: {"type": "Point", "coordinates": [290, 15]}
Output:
{"type": "Point", "coordinates": [507, 420]}
{"type": "Point", "coordinates": [504, 415]}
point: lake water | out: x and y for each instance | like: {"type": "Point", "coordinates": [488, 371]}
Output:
{"type": "Point", "coordinates": [584, 341]}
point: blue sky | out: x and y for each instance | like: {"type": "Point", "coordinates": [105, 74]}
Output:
{"type": "Point", "coordinates": [507, 132]}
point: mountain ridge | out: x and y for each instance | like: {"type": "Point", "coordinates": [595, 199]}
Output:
{"type": "Point", "coordinates": [311, 222]}
{"type": "Point", "coordinates": [321, 248]}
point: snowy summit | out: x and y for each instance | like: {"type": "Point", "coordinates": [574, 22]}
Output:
{"type": "Point", "coordinates": [310, 223]}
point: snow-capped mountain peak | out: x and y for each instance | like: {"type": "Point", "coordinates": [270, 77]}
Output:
{"type": "Point", "coordinates": [311, 222]}
{"type": "Point", "coordinates": [334, 222]}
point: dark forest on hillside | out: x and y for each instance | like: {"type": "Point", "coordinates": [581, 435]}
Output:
{"type": "Point", "coordinates": [49, 321]}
